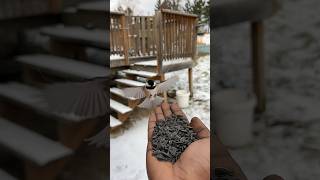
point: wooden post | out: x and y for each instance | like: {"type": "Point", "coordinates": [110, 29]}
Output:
{"type": "Point", "coordinates": [258, 64]}
{"type": "Point", "coordinates": [194, 55]}
{"type": "Point", "coordinates": [163, 78]}
{"type": "Point", "coordinates": [125, 39]}
{"type": "Point", "coordinates": [158, 35]}
{"type": "Point", "coordinates": [190, 81]}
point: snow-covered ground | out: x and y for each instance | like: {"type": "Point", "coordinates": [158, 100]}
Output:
{"type": "Point", "coordinates": [128, 148]}
{"type": "Point", "coordinates": [292, 74]}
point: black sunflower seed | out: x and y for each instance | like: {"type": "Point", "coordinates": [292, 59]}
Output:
{"type": "Point", "coordinates": [171, 137]}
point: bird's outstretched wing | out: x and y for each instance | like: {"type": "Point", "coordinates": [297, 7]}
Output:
{"type": "Point", "coordinates": [86, 99]}
{"type": "Point", "coordinates": [164, 86]}
{"type": "Point", "coordinates": [134, 92]}
{"type": "Point", "coordinates": [100, 139]}
{"type": "Point", "coordinates": [149, 104]}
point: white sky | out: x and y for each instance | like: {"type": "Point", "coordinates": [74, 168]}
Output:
{"type": "Point", "coordinates": [140, 7]}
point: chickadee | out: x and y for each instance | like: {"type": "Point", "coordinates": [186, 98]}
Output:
{"type": "Point", "coordinates": [150, 92]}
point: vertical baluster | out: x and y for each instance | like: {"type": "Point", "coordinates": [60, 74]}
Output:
{"type": "Point", "coordinates": [143, 35]}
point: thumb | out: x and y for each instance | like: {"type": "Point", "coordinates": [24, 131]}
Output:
{"type": "Point", "coordinates": [201, 130]}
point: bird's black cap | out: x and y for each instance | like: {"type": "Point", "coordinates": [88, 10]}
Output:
{"type": "Point", "coordinates": [150, 84]}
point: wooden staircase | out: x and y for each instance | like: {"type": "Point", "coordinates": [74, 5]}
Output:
{"type": "Point", "coordinates": [42, 140]}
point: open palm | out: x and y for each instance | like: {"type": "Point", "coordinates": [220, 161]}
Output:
{"type": "Point", "coordinates": [194, 162]}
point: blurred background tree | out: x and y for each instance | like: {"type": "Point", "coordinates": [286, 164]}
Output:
{"type": "Point", "coordinates": [168, 4]}
{"type": "Point", "coordinates": [200, 8]}
{"type": "Point", "coordinates": [128, 11]}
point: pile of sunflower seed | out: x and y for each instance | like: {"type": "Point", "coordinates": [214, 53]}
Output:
{"type": "Point", "coordinates": [171, 137]}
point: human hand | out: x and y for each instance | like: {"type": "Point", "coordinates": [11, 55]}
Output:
{"type": "Point", "coordinates": [194, 162]}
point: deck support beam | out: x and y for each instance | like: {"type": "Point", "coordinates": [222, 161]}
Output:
{"type": "Point", "coordinates": [190, 82]}
{"type": "Point", "coordinates": [257, 35]}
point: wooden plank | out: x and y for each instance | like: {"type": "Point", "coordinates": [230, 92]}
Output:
{"type": "Point", "coordinates": [146, 74]}
{"type": "Point", "coordinates": [96, 38]}
{"type": "Point", "coordinates": [119, 92]}
{"type": "Point", "coordinates": [159, 41]}
{"type": "Point", "coordinates": [152, 35]}
{"type": "Point", "coordinates": [118, 107]}
{"type": "Point", "coordinates": [97, 6]}
{"type": "Point", "coordinates": [114, 122]}
{"type": "Point", "coordinates": [31, 98]}
{"type": "Point", "coordinates": [180, 13]}
{"type": "Point", "coordinates": [125, 39]}
{"type": "Point", "coordinates": [166, 36]}
{"type": "Point", "coordinates": [143, 36]}
{"type": "Point", "coordinates": [30, 145]}
{"type": "Point", "coordinates": [64, 67]}
{"type": "Point", "coordinates": [138, 32]}
{"type": "Point", "coordinates": [194, 39]}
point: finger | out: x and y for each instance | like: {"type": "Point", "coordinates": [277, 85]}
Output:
{"type": "Point", "coordinates": [151, 125]}
{"type": "Point", "coordinates": [201, 130]}
{"type": "Point", "coordinates": [176, 110]}
{"type": "Point", "coordinates": [166, 109]}
{"type": "Point", "coordinates": [159, 113]}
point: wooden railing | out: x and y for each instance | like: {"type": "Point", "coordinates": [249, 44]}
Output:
{"type": "Point", "coordinates": [118, 35]}
{"type": "Point", "coordinates": [141, 36]}
{"type": "Point", "coordinates": [168, 35]}
{"type": "Point", "coordinates": [176, 36]}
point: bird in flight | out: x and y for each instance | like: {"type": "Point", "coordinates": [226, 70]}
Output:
{"type": "Point", "coordinates": [89, 99]}
{"type": "Point", "coordinates": [150, 92]}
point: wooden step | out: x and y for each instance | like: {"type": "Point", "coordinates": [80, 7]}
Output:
{"type": "Point", "coordinates": [119, 92]}
{"type": "Point", "coordinates": [128, 82]}
{"type": "Point", "coordinates": [78, 35]}
{"type": "Point", "coordinates": [114, 122]}
{"type": "Point", "coordinates": [84, 16]}
{"type": "Point", "coordinates": [31, 98]}
{"type": "Point", "coordinates": [118, 107]}
{"type": "Point", "coordinates": [145, 74]}
{"type": "Point", "coordinates": [149, 66]}
{"type": "Point", "coordinates": [167, 66]}
{"type": "Point", "coordinates": [29, 145]}
{"type": "Point", "coordinates": [118, 61]}
{"type": "Point", "coordinates": [5, 176]}
{"type": "Point", "coordinates": [63, 67]}
{"type": "Point", "coordinates": [97, 6]}
{"type": "Point", "coordinates": [147, 63]}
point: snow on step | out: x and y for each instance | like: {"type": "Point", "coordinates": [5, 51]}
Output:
{"type": "Point", "coordinates": [32, 98]}
{"type": "Point", "coordinates": [5, 176]}
{"type": "Point", "coordinates": [94, 37]}
{"type": "Point", "coordinates": [30, 145]}
{"type": "Point", "coordinates": [147, 63]}
{"type": "Point", "coordinates": [22, 94]}
{"type": "Point", "coordinates": [121, 108]}
{"type": "Point", "coordinates": [146, 74]}
{"type": "Point", "coordinates": [129, 82]}
{"type": "Point", "coordinates": [64, 67]}
{"type": "Point", "coordinates": [114, 122]}
{"type": "Point", "coordinates": [154, 63]}
{"type": "Point", "coordinates": [119, 92]}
